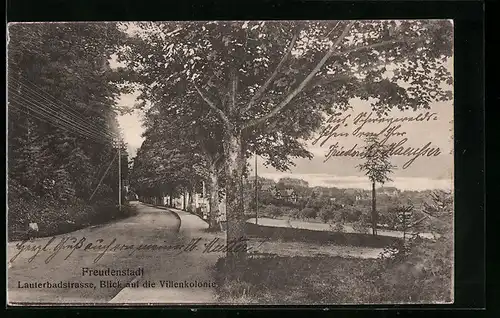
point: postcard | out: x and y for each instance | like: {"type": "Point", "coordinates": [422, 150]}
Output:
{"type": "Point", "coordinates": [230, 162]}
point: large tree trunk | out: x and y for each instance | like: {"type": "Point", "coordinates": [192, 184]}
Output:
{"type": "Point", "coordinates": [213, 187]}
{"type": "Point", "coordinates": [374, 210]}
{"type": "Point", "coordinates": [235, 163]}
{"type": "Point", "coordinates": [192, 193]}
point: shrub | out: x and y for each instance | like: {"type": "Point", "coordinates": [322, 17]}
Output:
{"type": "Point", "coordinates": [294, 213]}
{"type": "Point", "coordinates": [422, 273]}
{"type": "Point", "coordinates": [325, 214]}
{"type": "Point", "coordinates": [273, 211]}
{"type": "Point", "coordinates": [360, 227]}
{"type": "Point", "coordinates": [308, 213]}
{"type": "Point", "coordinates": [338, 217]}
{"type": "Point", "coordinates": [338, 227]}
{"type": "Point", "coordinates": [389, 216]}
{"type": "Point", "coordinates": [366, 218]}
{"type": "Point", "coordinates": [351, 214]}
{"type": "Point", "coordinates": [56, 217]}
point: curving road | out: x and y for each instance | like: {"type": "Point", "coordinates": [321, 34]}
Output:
{"type": "Point", "coordinates": [150, 226]}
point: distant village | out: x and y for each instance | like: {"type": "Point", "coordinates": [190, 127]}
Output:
{"type": "Point", "coordinates": [294, 190]}
{"type": "Point", "coordinates": [297, 195]}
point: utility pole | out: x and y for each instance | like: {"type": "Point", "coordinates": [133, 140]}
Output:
{"type": "Point", "coordinates": [256, 192]}
{"type": "Point", "coordinates": [206, 210]}
{"type": "Point", "coordinates": [119, 177]}
{"type": "Point", "coordinates": [102, 178]}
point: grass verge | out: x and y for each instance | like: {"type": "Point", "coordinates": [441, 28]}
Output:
{"type": "Point", "coordinates": [424, 276]}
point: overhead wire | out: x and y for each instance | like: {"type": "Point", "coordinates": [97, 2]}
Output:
{"type": "Point", "coordinates": [57, 125]}
{"type": "Point", "coordinates": [58, 108]}
{"type": "Point", "coordinates": [64, 110]}
{"type": "Point", "coordinates": [62, 113]}
{"type": "Point", "coordinates": [28, 81]}
{"type": "Point", "coordinates": [51, 116]}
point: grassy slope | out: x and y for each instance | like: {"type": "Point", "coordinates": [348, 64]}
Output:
{"type": "Point", "coordinates": [422, 277]}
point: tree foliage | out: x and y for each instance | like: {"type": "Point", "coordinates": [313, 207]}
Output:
{"type": "Point", "coordinates": [179, 154]}
{"type": "Point", "coordinates": [269, 84]}
{"type": "Point", "coordinates": [61, 69]}
{"type": "Point", "coordinates": [376, 161]}
{"type": "Point", "coordinates": [439, 207]}
{"type": "Point", "coordinates": [394, 64]}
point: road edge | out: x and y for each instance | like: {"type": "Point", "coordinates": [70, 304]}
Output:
{"type": "Point", "coordinates": [164, 208]}
{"type": "Point", "coordinates": [177, 215]}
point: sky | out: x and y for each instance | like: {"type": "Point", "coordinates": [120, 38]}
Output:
{"type": "Point", "coordinates": [131, 125]}
{"type": "Point", "coordinates": [424, 173]}
{"type": "Point", "coordinates": [341, 171]}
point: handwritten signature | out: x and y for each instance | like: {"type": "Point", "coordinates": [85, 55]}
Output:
{"type": "Point", "coordinates": [392, 128]}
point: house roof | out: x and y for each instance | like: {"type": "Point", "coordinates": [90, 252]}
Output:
{"type": "Point", "coordinates": [355, 191]}
{"type": "Point", "coordinates": [286, 192]}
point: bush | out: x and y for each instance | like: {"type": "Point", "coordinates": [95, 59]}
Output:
{"type": "Point", "coordinates": [294, 213]}
{"type": "Point", "coordinates": [366, 218]}
{"type": "Point", "coordinates": [360, 227]}
{"type": "Point", "coordinates": [309, 213]}
{"type": "Point", "coordinates": [325, 214]}
{"type": "Point", "coordinates": [338, 227]}
{"type": "Point", "coordinates": [55, 217]}
{"type": "Point", "coordinates": [389, 216]}
{"type": "Point", "coordinates": [273, 211]}
{"type": "Point", "coordinates": [422, 273]}
{"type": "Point", "coordinates": [338, 217]}
{"type": "Point", "coordinates": [351, 214]}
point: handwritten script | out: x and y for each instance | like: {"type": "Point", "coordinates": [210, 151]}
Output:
{"type": "Point", "coordinates": [389, 131]}
{"type": "Point", "coordinates": [67, 246]}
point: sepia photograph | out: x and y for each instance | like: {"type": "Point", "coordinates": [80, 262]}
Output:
{"type": "Point", "coordinates": [304, 162]}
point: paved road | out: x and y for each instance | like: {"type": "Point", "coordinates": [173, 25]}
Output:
{"type": "Point", "coordinates": [193, 267]}
{"type": "Point", "coordinates": [150, 226]}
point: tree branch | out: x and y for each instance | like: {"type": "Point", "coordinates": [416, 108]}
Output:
{"type": "Point", "coordinates": [218, 157]}
{"type": "Point", "coordinates": [383, 43]}
{"type": "Point", "coordinates": [271, 78]}
{"type": "Point", "coordinates": [346, 76]}
{"type": "Point", "coordinates": [417, 222]}
{"type": "Point", "coordinates": [301, 86]}
{"type": "Point", "coordinates": [213, 158]}
{"type": "Point", "coordinates": [212, 105]}
{"type": "Point", "coordinates": [433, 217]}
{"type": "Point", "coordinates": [380, 44]}
{"type": "Point", "coordinates": [333, 29]}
